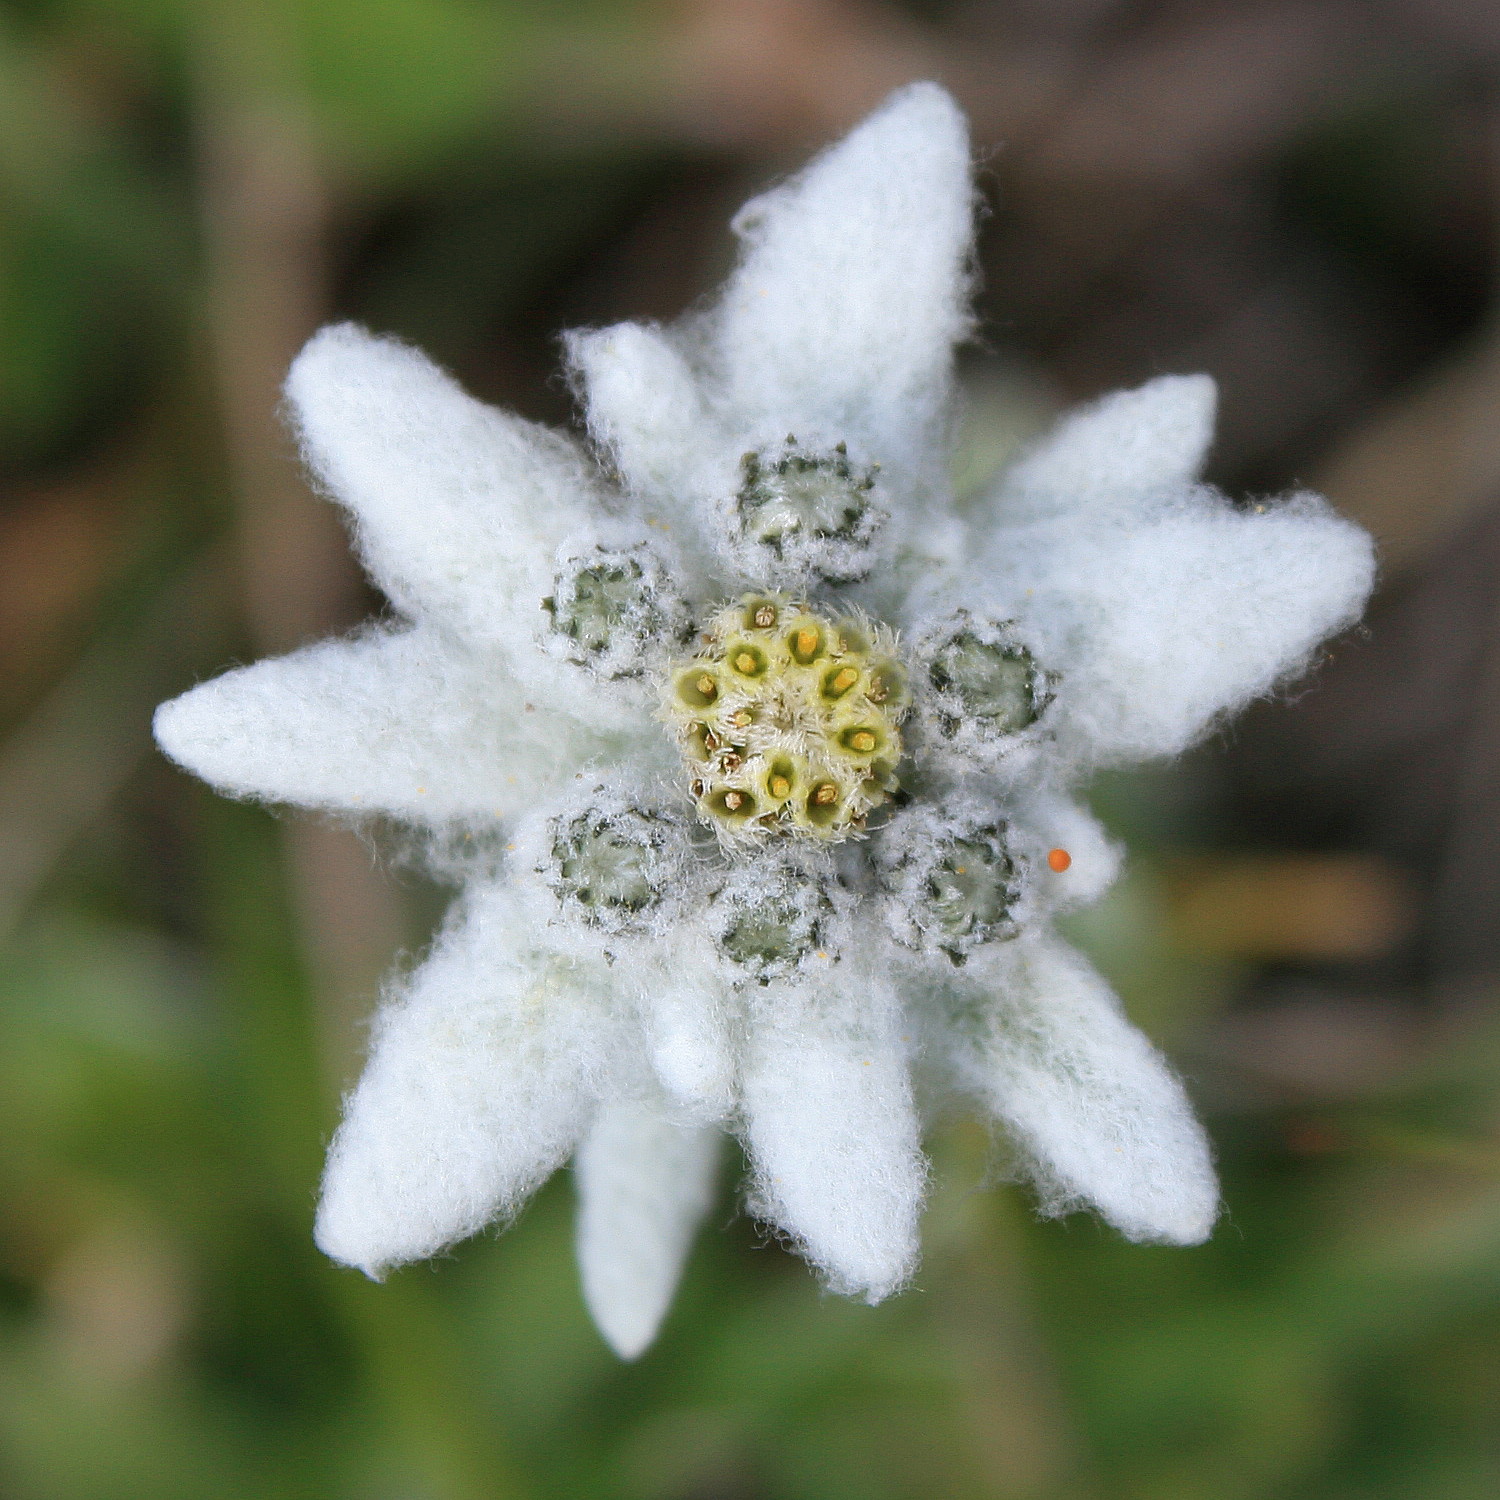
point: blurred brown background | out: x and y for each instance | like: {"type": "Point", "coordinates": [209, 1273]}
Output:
{"type": "Point", "coordinates": [1299, 198]}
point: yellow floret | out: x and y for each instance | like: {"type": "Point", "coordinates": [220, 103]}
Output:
{"type": "Point", "coordinates": [788, 720]}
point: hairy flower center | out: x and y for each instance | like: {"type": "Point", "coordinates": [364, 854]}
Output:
{"type": "Point", "coordinates": [788, 719]}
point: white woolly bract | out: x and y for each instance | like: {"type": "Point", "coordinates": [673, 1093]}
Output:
{"type": "Point", "coordinates": [606, 861]}
{"type": "Point", "coordinates": [483, 1071]}
{"type": "Point", "coordinates": [1097, 1115]}
{"type": "Point", "coordinates": [644, 1186]}
{"type": "Point", "coordinates": [840, 321]}
{"type": "Point", "coordinates": [647, 413]}
{"type": "Point", "coordinates": [830, 1126]}
{"type": "Point", "coordinates": [458, 508]}
{"type": "Point", "coordinates": [413, 723]}
{"type": "Point", "coordinates": [1112, 455]}
{"type": "Point", "coordinates": [1156, 625]}
{"type": "Point", "coordinates": [689, 1019]}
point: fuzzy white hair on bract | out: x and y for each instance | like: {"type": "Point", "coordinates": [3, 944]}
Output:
{"type": "Point", "coordinates": [830, 1125]}
{"type": "Point", "coordinates": [837, 326]}
{"type": "Point", "coordinates": [1098, 1117]}
{"type": "Point", "coordinates": [1108, 457]}
{"type": "Point", "coordinates": [613, 984]}
{"type": "Point", "coordinates": [457, 507]}
{"type": "Point", "coordinates": [484, 1070]}
{"type": "Point", "coordinates": [840, 321]}
{"type": "Point", "coordinates": [687, 1019]}
{"type": "Point", "coordinates": [1158, 605]}
{"type": "Point", "coordinates": [645, 1184]}
{"type": "Point", "coordinates": [411, 723]}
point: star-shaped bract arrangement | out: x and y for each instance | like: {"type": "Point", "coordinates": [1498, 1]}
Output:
{"type": "Point", "coordinates": [752, 751]}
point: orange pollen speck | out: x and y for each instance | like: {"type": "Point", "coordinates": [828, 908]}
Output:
{"type": "Point", "coordinates": [845, 680]}
{"type": "Point", "coordinates": [1059, 860]}
{"type": "Point", "coordinates": [863, 742]}
{"type": "Point", "coordinates": [745, 663]}
{"type": "Point", "coordinates": [705, 685]}
{"type": "Point", "coordinates": [807, 642]}
{"type": "Point", "coordinates": [780, 787]}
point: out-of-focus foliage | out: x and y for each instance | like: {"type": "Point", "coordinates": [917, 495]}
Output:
{"type": "Point", "coordinates": [1296, 197]}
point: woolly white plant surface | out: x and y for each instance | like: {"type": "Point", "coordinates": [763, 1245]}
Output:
{"type": "Point", "coordinates": [768, 751]}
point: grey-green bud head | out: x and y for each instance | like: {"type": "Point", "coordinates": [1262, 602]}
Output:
{"type": "Point", "coordinates": [609, 607]}
{"type": "Point", "coordinates": [981, 696]}
{"type": "Point", "coordinates": [768, 929]}
{"type": "Point", "coordinates": [610, 867]}
{"type": "Point", "coordinates": [970, 890]}
{"type": "Point", "coordinates": [995, 681]}
{"type": "Point", "coordinates": [952, 879]}
{"type": "Point", "coordinates": [814, 512]}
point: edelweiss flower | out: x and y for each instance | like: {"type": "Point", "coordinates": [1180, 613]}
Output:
{"type": "Point", "coordinates": [761, 751]}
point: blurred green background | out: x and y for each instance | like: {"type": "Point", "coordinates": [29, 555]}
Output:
{"type": "Point", "coordinates": [1298, 197]}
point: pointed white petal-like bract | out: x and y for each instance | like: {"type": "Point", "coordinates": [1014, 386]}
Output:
{"type": "Point", "coordinates": [458, 507]}
{"type": "Point", "coordinates": [1153, 604]}
{"type": "Point", "coordinates": [408, 723]}
{"type": "Point", "coordinates": [831, 1128]}
{"type": "Point", "coordinates": [839, 323]}
{"type": "Point", "coordinates": [1158, 626]}
{"type": "Point", "coordinates": [1098, 1116]}
{"type": "Point", "coordinates": [482, 1076]}
{"type": "Point", "coordinates": [645, 410]}
{"type": "Point", "coordinates": [644, 1186]}
{"type": "Point", "coordinates": [1043, 820]}
{"type": "Point", "coordinates": [685, 1023]}
{"type": "Point", "coordinates": [1109, 456]}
